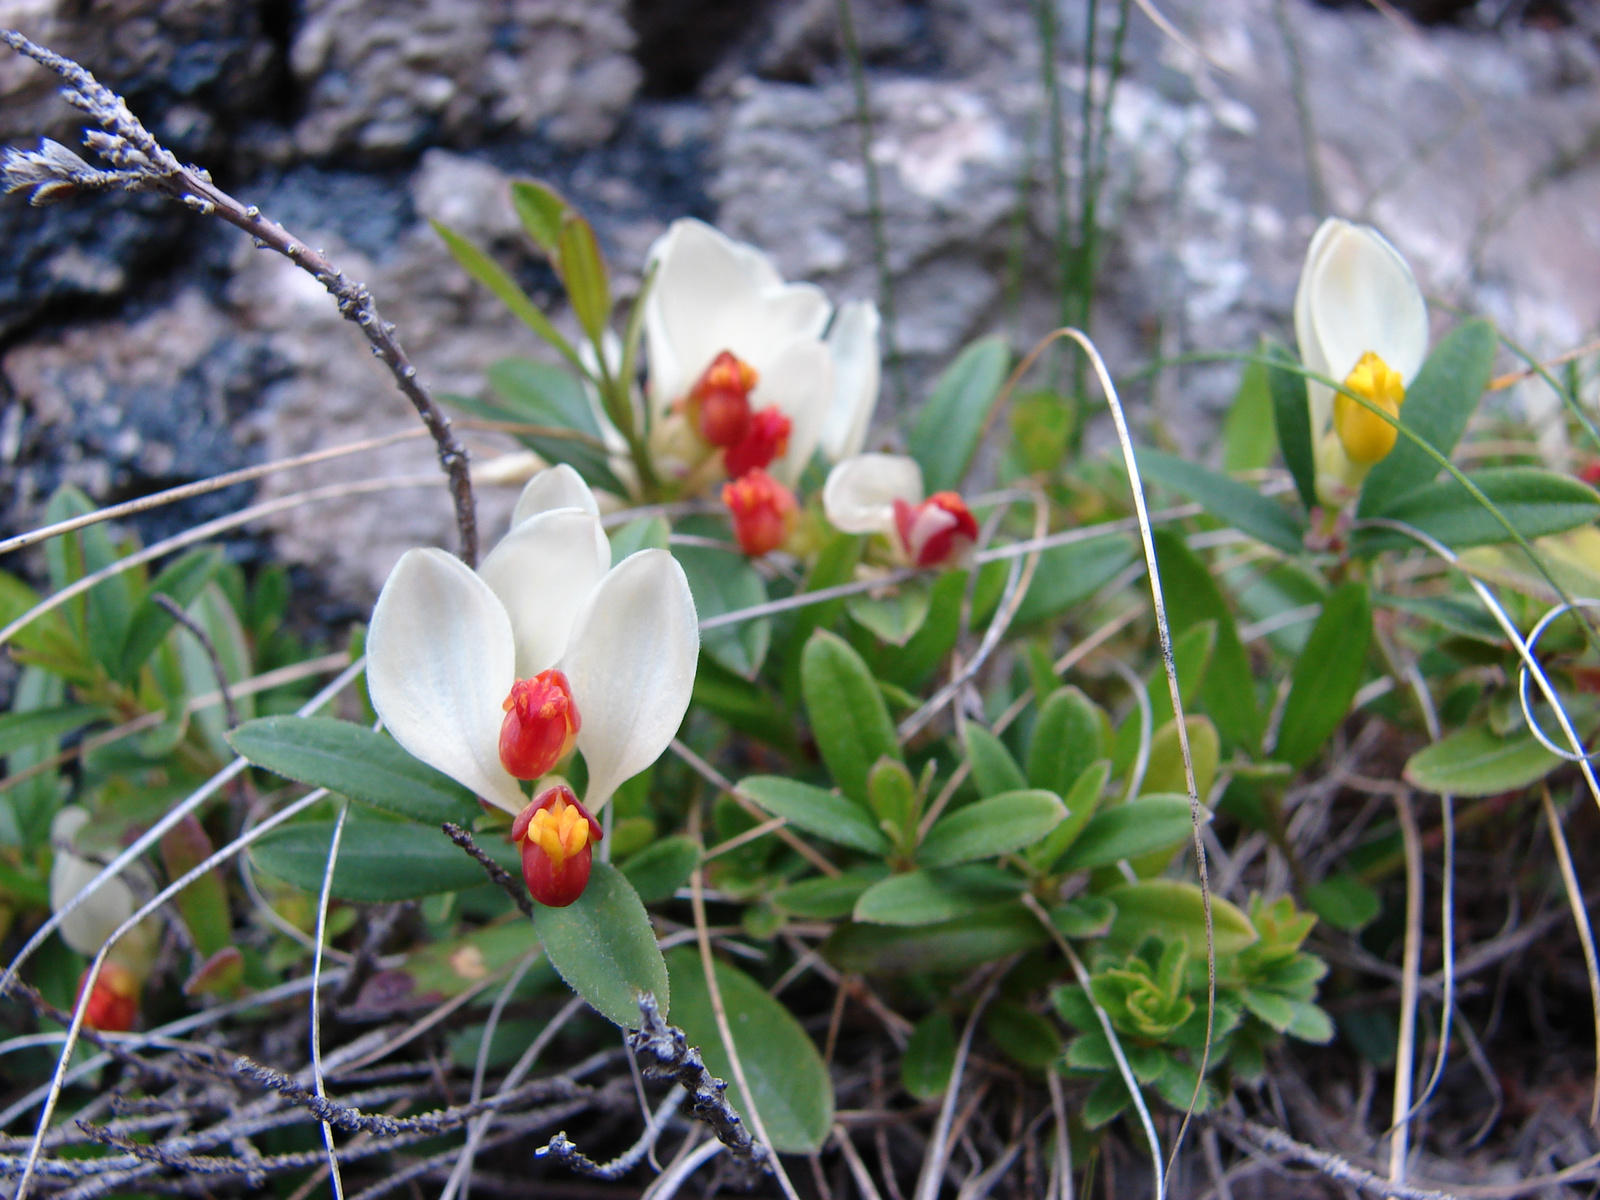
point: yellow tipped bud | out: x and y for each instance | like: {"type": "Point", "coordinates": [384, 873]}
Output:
{"type": "Point", "coordinates": [1367, 438]}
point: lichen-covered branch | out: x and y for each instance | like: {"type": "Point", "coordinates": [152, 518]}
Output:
{"type": "Point", "coordinates": [140, 163]}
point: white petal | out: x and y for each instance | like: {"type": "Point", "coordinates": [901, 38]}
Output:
{"type": "Point", "coordinates": [87, 927]}
{"type": "Point", "coordinates": [558, 487]}
{"type": "Point", "coordinates": [631, 665]}
{"type": "Point", "coordinates": [860, 493]}
{"type": "Point", "coordinates": [1363, 297]}
{"type": "Point", "coordinates": [542, 572]}
{"type": "Point", "coordinates": [799, 380]}
{"type": "Point", "coordinates": [440, 662]}
{"type": "Point", "coordinates": [1319, 395]}
{"type": "Point", "coordinates": [853, 340]}
{"type": "Point", "coordinates": [701, 274]}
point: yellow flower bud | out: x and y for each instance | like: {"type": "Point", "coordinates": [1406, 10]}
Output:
{"type": "Point", "coordinates": [1367, 438]}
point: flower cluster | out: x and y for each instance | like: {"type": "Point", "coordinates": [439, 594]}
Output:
{"type": "Point", "coordinates": [743, 382]}
{"type": "Point", "coordinates": [882, 494]}
{"type": "Point", "coordinates": [496, 675]}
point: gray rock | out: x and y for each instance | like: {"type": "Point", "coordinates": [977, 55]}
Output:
{"type": "Point", "coordinates": [388, 80]}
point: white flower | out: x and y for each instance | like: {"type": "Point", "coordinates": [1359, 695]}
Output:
{"type": "Point", "coordinates": [882, 493]}
{"type": "Point", "coordinates": [447, 644]}
{"type": "Point", "coordinates": [1360, 319]}
{"type": "Point", "coordinates": [712, 294]}
{"type": "Point", "coordinates": [90, 925]}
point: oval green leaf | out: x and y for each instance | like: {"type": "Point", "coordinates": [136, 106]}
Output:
{"type": "Point", "coordinates": [603, 946]}
{"type": "Point", "coordinates": [1326, 675]}
{"type": "Point", "coordinates": [952, 420]}
{"type": "Point", "coordinates": [722, 583]}
{"type": "Point", "coordinates": [357, 762]}
{"type": "Point", "coordinates": [930, 1057]}
{"type": "Point", "coordinates": [1535, 503]}
{"type": "Point", "coordinates": [829, 897]}
{"type": "Point", "coordinates": [1067, 736]}
{"type": "Point", "coordinates": [1238, 504]}
{"type": "Point", "coordinates": [1149, 823]}
{"type": "Point", "coordinates": [927, 897]}
{"type": "Point", "coordinates": [817, 812]}
{"type": "Point", "coordinates": [789, 1085]}
{"type": "Point", "coordinates": [1474, 762]}
{"type": "Point", "coordinates": [379, 860]}
{"type": "Point", "coordinates": [1171, 909]}
{"type": "Point", "coordinates": [957, 945]}
{"type": "Point", "coordinates": [847, 712]}
{"type": "Point", "coordinates": [990, 827]}
{"type": "Point", "coordinates": [993, 768]}
{"type": "Point", "coordinates": [661, 868]}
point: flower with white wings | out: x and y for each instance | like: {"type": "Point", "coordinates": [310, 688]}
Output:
{"type": "Point", "coordinates": [740, 369]}
{"type": "Point", "coordinates": [495, 675]}
{"type": "Point", "coordinates": [1360, 319]}
{"type": "Point", "coordinates": [113, 1005]}
{"type": "Point", "coordinates": [882, 494]}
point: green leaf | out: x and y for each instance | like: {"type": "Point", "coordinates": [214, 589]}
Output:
{"type": "Point", "coordinates": [1069, 574]}
{"type": "Point", "coordinates": [495, 277]}
{"type": "Point", "coordinates": [1082, 803]}
{"type": "Point", "coordinates": [744, 704]}
{"type": "Point", "coordinates": [722, 583]}
{"type": "Point", "coordinates": [930, 1057]}
{"type": "Point", "coordinates": [1068, 735]}
{"type": "Point", "coordinates": [204, 903]}
{"type": "Point", "coordinates": [661, 868]}
{"type": "Point", "coordinates": [1344, 902]}
{"type": "Point", "coordinates": [540, 394]}
{"type": "Point", "coordinates": [541, 209]}
{"type": "Point", "coordinates": [20, 729]}
{"type": "Point", "coordinates": [1248, 437]}
{"type": "Point", "coordinates": [379, 860]}
{"type": "Point", "coordinates": [991, 827]}
{"type": "Point", "coordinates": [993, 769]}
{"type": "Point", "coordinates": [1172, 909]}
{"type": "Point", "coordinates": [952, 420]}
{"type": "Point", "coordinates": [1277, 1011]}
{"type": "Point", "coordinates": [642, 533]}
{"type": "Point", "coordinates": [1022, 1035]}
{"type": "Point", "coordinates": [892, 796]}
{"type": "Point", "coordinates": [894, 618]}
{"type": "Point", "coordinates": [789, 1085]}
{"type": "Point", "coordinates": [1326, 676]}
{"type": "Point", "coordinates": [1085, 917]}
{"type": "Point", "coordinates": [182, 581]}
{"type": "Point", "coordinates": [1191, 656]}
{"type": "Point", "coordinates": [1165, 772]}
{"type": "Point", "coordinates": [1238, 504]}
{"type": "Point", "coordinates": [357, 762]}
{"type": "Point", "coordinates": [829, 897]}
{"type": "Point", "coordinates": [1536, 503]}
{"type": "Point", "coordinates": [1436, 408]}
{"type": "Point", "coordinates": [1228, 692]}
{"type": "Point", "coordinates": [1128, 830]}
{"type": "Point", "coordinates": [927, 897]}
{"type": "Point", "coordinates": [847, 712]}
{"type": "Point", "coordinates": [1474, 762]}
{"type": "Point", "coordinates": [1291, 415]}
{"type": "Point", "coordinates": [911, 664]}
{"type": "Point", "coordinates": [816, 811]}
{"type": "Point", "coordinates": [603, 946]}
{"type": "Point", "coordinates": [583, 270]}
{"type": "Point", "coordinates": [956, 946]}
{"type": "Point", "coordinates": [1104, 1103]}
{"type": "Point", "coordinates": [1310, 1023]}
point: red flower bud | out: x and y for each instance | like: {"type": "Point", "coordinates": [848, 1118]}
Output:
{"type": "Point", "coordinates": [540, 727]}
{"type": "Point", "coordinates": [938, 532]}
{"type": "Point", "coordinates": [556, 835]}
{"type": "Point", "coordinates": [719, 402]}
{"type": "Point", "coordinates": [764, 440]}
{"type": "Point", "coordinates": [763, 512]}
{"type": "Point", "coordinates": [114, 1003]}
{"type": "Point", "coordinates": [1590, 474]}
